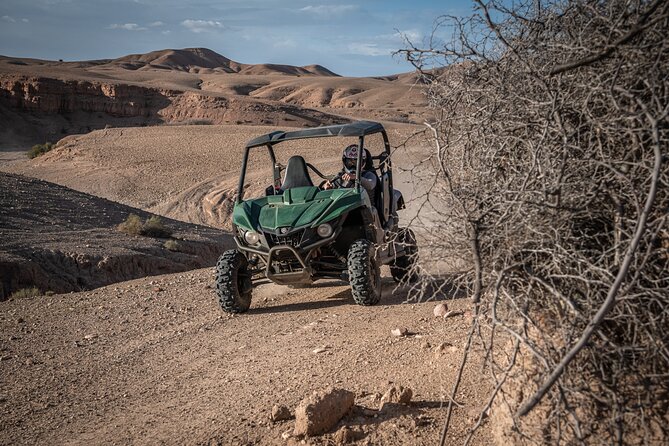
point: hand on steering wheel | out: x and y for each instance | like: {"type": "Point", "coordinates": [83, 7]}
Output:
{"type": "Point", "coordinates": [331, 184]}
{"type": "Point", "coordinates": [348, 176]}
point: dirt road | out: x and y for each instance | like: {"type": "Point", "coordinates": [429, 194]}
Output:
{"type": "Point", "coordinates": [154, 361]}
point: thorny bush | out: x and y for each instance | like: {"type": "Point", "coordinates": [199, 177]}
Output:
{"type": "Point", "coordinates": [551, 153]}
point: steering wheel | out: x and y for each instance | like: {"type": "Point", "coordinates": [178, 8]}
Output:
{"type": "Point", "coordinates": [333, 180]}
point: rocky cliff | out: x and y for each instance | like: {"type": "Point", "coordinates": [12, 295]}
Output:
{"type": "Point", "coordinates": [36, 109]}
{"type": "Point", "coordinates": [52, 96]}
{"type": "Point", "coordinates": [57, 239]}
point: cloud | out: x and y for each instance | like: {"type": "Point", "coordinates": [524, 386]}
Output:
{"type": "Point", "coordinates": [329, 10]}
{"type": "Point", "coordinates": [25, 20]}
{"type": "Point", "coordinates": [7, 18]}
{"type": "Point", "coordinates": [156, 23]}
{"type": "Point", "coordinates": [399, 36]}
{"type": "Point", "coordinates": [201, 26]}
{"type": "Point", "coordinates": [411, 34]}
{"type": "Point", "coordinates": [166, 32]}
{"type": "Point", "coordinates": [284, 43]}
{"type": "Point", "coordinates": [368, 49]}
{"type": "Point", "coordinates": [127, 27]}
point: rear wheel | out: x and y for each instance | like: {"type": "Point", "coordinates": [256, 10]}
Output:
{"type": "Point", "coordinates": [364, 273]}
{"type": "Point", "coordinates": [233, 282]}
{"type": "Point", "coordinates": [403, 268]}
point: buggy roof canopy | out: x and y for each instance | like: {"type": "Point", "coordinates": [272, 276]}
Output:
{"type": "Point", "coordinates": [357, 128]}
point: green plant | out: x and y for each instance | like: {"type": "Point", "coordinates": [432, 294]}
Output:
{"type": "Point", "coordinates": [39, 149]}
{"type": "Point", "coordinates": [152, 227]}
{"type": "Point", "coordinates": [132, 225]}
{"type": "Point", "coordinates": [172, 245]}
{"type": "Point", "coordinates": [25, 293]}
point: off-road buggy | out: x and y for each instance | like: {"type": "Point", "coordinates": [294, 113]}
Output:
{"type": "Point", "coordinates": [299, 232]}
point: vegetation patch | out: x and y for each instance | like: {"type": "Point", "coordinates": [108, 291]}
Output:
{"type": "Point", "coordinates": [40, 149]}
{"type": "Point", "coordinates": [25, 293]}
{"type": "Point", "coordinates": [194, 121]}
{"type": "Point", "coordinates": [172, 245]}
{"type": "Point", "coordinates": [152, 227]}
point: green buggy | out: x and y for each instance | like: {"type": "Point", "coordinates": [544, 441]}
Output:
{"type": "Point", "coordinates": [299, 233]}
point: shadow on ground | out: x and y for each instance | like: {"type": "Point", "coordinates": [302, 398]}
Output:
{"type": "Point", "coordinates": [390, 295]}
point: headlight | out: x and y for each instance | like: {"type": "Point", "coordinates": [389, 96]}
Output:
{"type": "Point", "coordinates": [324, 230]}
{"type": "Point", "coordinates": [251, 237]}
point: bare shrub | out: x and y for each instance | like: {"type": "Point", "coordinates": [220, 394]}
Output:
{"type": "Point", "coordinates": [132, 225]}
{"type": "Point", "coordinates": [192, 121]}
{"type": "Point", "coordinates": [172, 245]}
{"type": "Point", "coordinates": [39, 149]}
{"type": "Point", "coordinates": [550, 154]}
{"type": "Point", "coordinates": [25, 293]}
{"type": "Point", "coordinates": [152, 227]}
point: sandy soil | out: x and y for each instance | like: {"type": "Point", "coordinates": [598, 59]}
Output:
{"type": "Point", "coordinates": [188, 173]}
{"type": "Point", "coordinates": [127, 364]}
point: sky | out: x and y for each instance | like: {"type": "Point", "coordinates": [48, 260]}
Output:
{"type": "Point", "coordinates": [350, 38]}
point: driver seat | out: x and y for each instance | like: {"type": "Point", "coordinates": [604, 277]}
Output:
{"type": "Point", "coordinates": [296, 174]}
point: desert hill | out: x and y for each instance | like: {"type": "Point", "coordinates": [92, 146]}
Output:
{"type": "Point", "coordinates": [203, 60]}
{"type": "Point", "coordinates": [187, 173]}
{"type": "Point", "coordinates": [58, 239]}
{"type": "Point", "coordinates": [47, 100]}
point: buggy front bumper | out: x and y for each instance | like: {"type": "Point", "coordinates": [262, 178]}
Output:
{"type": "Point", "coordinates": [301, 254]}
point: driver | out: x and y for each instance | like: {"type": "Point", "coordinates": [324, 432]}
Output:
{"type": "Point", "coordinates": [368, 178]}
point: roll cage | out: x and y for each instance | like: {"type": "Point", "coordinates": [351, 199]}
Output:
{"type": "Point", "coordinates": [358, 129]}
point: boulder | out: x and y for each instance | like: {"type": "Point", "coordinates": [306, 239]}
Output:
{"type": "Point", "coordinates": [321, 411]}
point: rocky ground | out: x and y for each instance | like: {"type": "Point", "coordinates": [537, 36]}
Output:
{"type": "Point", "coordinates": [57, 239]}
{"type": "Point", "coordinates": [155, 361]}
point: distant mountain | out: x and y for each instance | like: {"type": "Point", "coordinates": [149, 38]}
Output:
{"type": "Point", "coordinates": [203, 60]}
{"type": "Point", "coordinates": [414, 77]}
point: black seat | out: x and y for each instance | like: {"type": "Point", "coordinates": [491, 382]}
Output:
{"type": "Point", "coordinates": [296, 174]}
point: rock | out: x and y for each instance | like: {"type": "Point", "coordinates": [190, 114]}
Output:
{"type": "Point", "coordinates": [397, 394]}
{"type": "Point", "coordinates": [319, 350]}
{"type": "Point", "coordinates": [286, 435]}
{"type": "Point", "coordinates": [280, 413]}
{"type": "Point", "coordinates": [157, 289]}
{"type": "Point", "coordinates": [399, 332]}
{"type": "Point", "coordinates": [369, 413]}
{"type": "Point", "coordinates": [88, 337]}
{"type": "Point", "coordinates": [319, 413]}
{"type": "Point", "coordinates": [440, 310]}
{"type": "Point", "coordinates": [345, 435]}
{"type": "Point", "coordinates": [453, 313]}
{"type": "Point", "coordinates": [425, 345]}
{"type": "Point", "coordinates": [441, 348]}
{"type": "Point", "coordinates": [422, 421]}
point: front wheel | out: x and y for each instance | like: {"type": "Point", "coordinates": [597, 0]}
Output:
{"type": "Point", "coordinates": [233, 282]}
{"type": "Point", "coordinates": [403, 268]}
{"type": "Point", "coordinates": [364, 273]}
